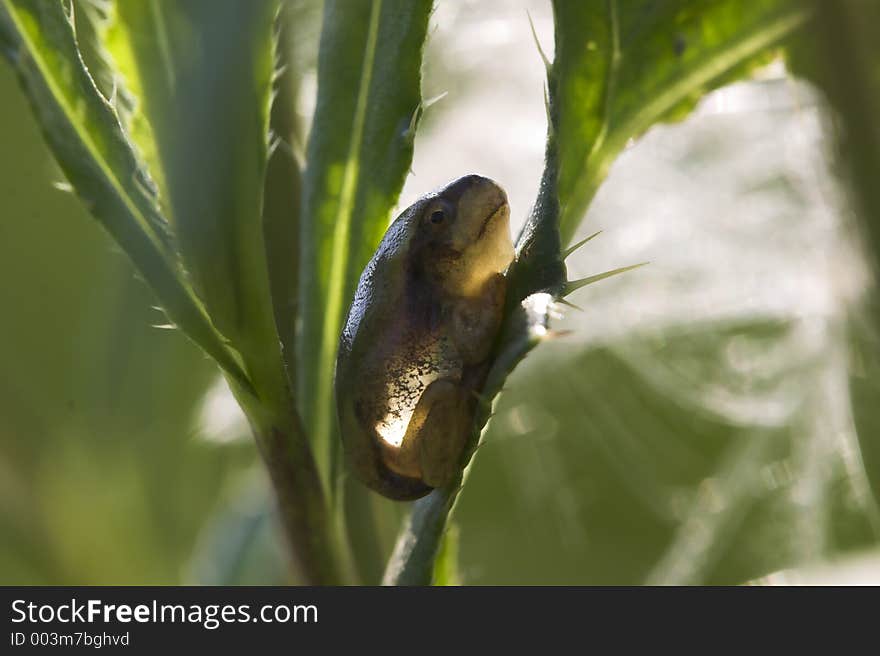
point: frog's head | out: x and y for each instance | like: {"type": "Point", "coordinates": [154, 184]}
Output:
{"type": "Point", "coordinates": [462, 234]}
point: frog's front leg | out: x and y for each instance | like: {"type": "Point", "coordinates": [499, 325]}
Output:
{"type": "Point", "coordinates": [475, 320]}
{"type": "Point", "coordinates": [438, 431]}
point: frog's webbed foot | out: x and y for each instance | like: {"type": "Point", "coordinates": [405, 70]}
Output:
{"type": "Point", "coordinates": [475, 321]}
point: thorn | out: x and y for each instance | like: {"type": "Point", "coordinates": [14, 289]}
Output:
{"type": "Point", "coordinates": [434, 26]}
{"type": "Point", "coordinates": [538, 43]}
{"type": "Point", "coordinates": [562, 301]}
{"type": "Point", "coordinates": [435, 99]}
{"type": "Point", "coordinates": [410, 133]}
{"type": "Point", "coordinates": [574, 285]}
{"type": "Point", "coordinates": [278, 72]}
{"type": "Point", "coordinates": [64, 186]}
{"type": "Point", "coordinates": [278, 144]}
{"type": "Point", "coordinates": [165, 326]}
{"type": "Point", "coordinates": [113, 100]}
{"type": "Point", "coordinates": [571, 249]}
{"type": "Point", "coordinates": [274, 140]}
{"type": "Point", "coordinates": [557, 334]}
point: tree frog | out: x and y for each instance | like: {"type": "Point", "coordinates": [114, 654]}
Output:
{"type": "Point", "coordinates": [415, 346]}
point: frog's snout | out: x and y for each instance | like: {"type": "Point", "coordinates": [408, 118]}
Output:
{"type": "Point", "coordinates": [479, 235]}
{"type": "Point", "coordinates": [473, 192]}
{"type": "Point", "coordinates": [480, 203]}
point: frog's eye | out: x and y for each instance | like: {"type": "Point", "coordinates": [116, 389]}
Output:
{"type": "Point", "coordinates": [438, 214]}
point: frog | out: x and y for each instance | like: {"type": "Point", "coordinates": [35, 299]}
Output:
{"type": "Point", "coordinates": [416, 344]}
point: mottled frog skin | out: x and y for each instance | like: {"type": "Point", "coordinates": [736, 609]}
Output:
{"type": "Point", "coordinates": [417, 338]}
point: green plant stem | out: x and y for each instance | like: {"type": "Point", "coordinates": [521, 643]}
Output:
{"type": "Point", "coordinates": [412, 562]}
{"type": "Point", "coordinates": [847, 35]}
{"type": "Point", "coordinates": [302, 506]}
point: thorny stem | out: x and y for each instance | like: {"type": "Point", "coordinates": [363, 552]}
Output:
{"type": "Point", "coordinates": [302, 506]}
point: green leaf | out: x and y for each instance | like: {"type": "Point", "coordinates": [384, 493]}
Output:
{"type": "Point", "coordinates": [108, 56]}
{"type": "Point", "coordinates": [282, 193]}
{"type": "Point", "coordinates": [446, 566]}
{"type": "Point", "coordinates": [203, 71]}
{"type": "Point", "coordinates": [358, 155]}
{"type": "Point", "coordinates": [91, 19]}
{"type": "Point", "coordinates": [84, 133]}
{"type": "Point", "coordinates": [621, 67]}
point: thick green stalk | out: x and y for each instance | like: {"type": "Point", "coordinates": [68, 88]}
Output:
{"type": "Point", "coordinates": [302, 505]}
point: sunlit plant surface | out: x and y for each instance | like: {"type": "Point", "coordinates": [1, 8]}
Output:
{"type": "Point", "coordinates": [709, 418]}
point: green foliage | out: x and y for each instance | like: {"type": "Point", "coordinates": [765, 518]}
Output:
{"type": "Point", "coordinates": [214, 175]}
{"type": "Point", "coordinates": [206, 99]}
{"type": "Point", "coordinates": [446, 567]}
{"type": "Point", "coordinates": [85, 134]}
{"type": "Point", "coordinates": [621, 67]}
{"type": "Point", "coordinates": [103, 481]}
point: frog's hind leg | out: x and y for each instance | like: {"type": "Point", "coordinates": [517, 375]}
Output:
{"type": "Point", "coordinates": [438, 431]}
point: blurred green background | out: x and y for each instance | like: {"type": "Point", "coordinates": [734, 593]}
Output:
{"type": "Point", "coordinates": [102, 477]}
{"type": "Point", "coordinates": [696, 426]}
